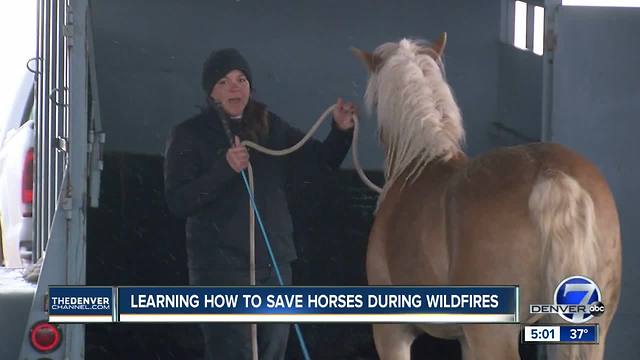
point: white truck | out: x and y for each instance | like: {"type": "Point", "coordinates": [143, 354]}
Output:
{"type": "Point", "coordinates": [17, 138]}
{"type": "Point", "coordinates": [67, 148]}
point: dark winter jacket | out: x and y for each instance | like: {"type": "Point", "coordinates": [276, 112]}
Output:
{"type": "Point", "coordinates": [201, 186]}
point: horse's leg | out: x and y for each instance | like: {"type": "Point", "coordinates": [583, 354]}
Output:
{"type": "Point", "coordinates": [393, 341]}
{"type": "Point", "coordinates": [570, 352]}
{"type": "Point", "coordinates": [491, 342]}
{"type": "Point", "coordinates": [465, 350]}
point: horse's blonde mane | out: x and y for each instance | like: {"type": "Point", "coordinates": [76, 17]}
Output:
{"type": "Point", "coordinates": [418, 118]}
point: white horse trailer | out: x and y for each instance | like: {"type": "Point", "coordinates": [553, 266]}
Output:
{"type": "Point", "coordinates": [68, 145]}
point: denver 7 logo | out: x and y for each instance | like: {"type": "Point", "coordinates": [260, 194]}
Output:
{"type": "Point", "coordinates": [580, 291]}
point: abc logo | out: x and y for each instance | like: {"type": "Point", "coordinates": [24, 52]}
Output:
{"type": "Point", "coordinates": [596, 309]}
{"type": "Point", "coordinates": [583, 294]}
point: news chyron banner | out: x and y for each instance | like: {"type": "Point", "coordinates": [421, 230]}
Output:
{"type": "Point", "coordinates": [293, 304]}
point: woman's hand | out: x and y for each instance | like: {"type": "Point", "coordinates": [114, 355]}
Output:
{"type": "Point", "coordinates": [238, 156]}
{"type": "Point", "coordinates": [343, 114]}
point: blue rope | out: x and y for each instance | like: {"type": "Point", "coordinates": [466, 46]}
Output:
{"type": "Point", "coordinates": [303, 346]}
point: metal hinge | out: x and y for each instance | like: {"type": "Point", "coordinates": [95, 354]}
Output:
{"type": "Point", "coordinates": [96, 165]}
{"type": "Point", "coordinates": [61, 144]}
{"type": "Point", "coordinates": [67, 204]}
{"type": "Point", "coordinates": [96, 140]}
{"type": "Point", "coordinates": [550, 41]}
{"type": "Point", "coordinates": [67, 29]}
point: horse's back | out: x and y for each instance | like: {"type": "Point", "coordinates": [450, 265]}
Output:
{"type": "Point", "coordinates": [488, 219]}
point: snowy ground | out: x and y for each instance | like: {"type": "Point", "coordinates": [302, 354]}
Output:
{"type": "Point", "coordinates": [11, 278]}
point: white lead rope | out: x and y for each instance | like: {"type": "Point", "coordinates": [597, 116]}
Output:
{"type": "Point", "coordinates": [314, 128]}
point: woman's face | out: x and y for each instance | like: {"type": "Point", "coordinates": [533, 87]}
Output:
{"type": "Point", "coordinates": [232, 91]}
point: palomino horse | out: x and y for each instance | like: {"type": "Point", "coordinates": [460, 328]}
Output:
{"type": "Point", "coordinates": [530, 215]}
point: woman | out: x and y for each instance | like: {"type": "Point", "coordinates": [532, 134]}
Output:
{"type": "Point", "coordinates": [202, 183]}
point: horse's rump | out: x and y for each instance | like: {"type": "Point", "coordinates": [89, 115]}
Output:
{"type": "Point", "coordinates": [530, 212]}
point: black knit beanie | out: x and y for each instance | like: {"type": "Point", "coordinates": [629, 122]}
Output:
{"type": "Point", "coordinates": [219, 63]}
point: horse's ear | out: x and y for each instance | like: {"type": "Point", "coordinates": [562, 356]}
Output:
{"type": "Point", "coordinates": [370, 60]}
{"type": "Point", "coordinates": [438, 45]}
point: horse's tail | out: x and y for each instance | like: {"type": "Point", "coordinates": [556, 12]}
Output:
{"type": "Point", "coordinates": [565, 215]}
